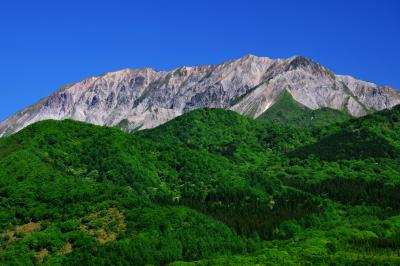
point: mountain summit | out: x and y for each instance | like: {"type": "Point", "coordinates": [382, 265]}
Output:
{"type": "Point", "coordinates": [134, 99]}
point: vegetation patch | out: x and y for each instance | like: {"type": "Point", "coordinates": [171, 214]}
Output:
{"type": "Point", "coordinates": [105, 225]}
{"type": "Point", "coordinates": [66, 249]}
{"type": "Point", "coordinates": [41, 255]}
{"type": "Point", "coordinates": [21, 231]}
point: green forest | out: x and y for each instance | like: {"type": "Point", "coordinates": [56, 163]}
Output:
{"type": "Point", "coordinates": [210, 187]}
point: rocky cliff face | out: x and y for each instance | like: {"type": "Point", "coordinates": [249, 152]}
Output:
{"type": "Point", "coordinates": [143, 98]}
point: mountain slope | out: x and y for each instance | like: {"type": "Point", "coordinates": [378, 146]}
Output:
{"type": "Point", "coordinates": [373, 136]}
{"type": "Point", "coordinates": [287, 111]}
{"type": "Point", "coordinates": [69, 189]}
{"type": "Point", "coordinates": [144, 98]}
{"type": "Point", "coordinates": [210, 185]}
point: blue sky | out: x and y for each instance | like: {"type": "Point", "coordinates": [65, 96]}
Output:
{"type": "Point", "coordinates": [45, 44]}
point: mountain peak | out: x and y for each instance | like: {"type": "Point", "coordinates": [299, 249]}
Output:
{"type": "Point", "coordinates": [250, 56]}
{"type": "Point", "coordinates": [299, 61]}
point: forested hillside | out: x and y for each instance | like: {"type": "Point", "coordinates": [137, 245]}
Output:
{"type": "Point", "coordinates": [210, 187]}
{"type": "Point", "coordinates": [289, 112]}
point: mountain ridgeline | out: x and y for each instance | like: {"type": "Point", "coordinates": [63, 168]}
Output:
{"type": "Point", "coordinates": [210, 187]}
{"type": "Point", "coordinates": [135, 99]}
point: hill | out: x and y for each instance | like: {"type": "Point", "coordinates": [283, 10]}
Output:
{"type": "Point", "coordinates": [210, 186]}
{"type": "Point", "coordinates": [287, 111]}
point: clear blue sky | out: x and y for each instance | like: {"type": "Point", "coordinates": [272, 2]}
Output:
{"type": "Point", "coordinates": [45, 44]}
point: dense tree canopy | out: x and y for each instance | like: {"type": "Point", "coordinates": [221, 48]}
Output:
{"type": "Point", "coordinates": [210, 186]}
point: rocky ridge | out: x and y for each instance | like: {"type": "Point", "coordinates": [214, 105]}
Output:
{"type": "Point", "coordinates": [134, 99]}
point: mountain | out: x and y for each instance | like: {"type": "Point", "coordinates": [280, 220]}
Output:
{"type": "Point", "coordinates": [134, 99]}
{"type": "Point", "coordinates": [210, 187]}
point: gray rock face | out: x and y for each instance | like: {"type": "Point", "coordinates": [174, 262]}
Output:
{"type": "Point", "coordinates": [145, 98]}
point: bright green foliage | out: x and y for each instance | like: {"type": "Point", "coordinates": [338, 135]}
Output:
{"type": "Point", "coordinates": [210, 187]}
{"type": "Point", "coordinates": [289, 112]}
